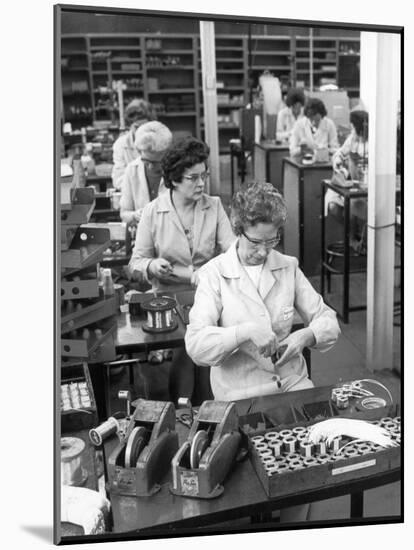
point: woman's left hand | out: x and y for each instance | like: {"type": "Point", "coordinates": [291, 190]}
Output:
{"type": "Point", "coordinates": [294, 344]}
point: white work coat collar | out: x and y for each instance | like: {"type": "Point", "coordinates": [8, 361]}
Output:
{"type": "Point", "coordinates": [231, 268]}
{"type": "Point", "coordinates": [200, 210]}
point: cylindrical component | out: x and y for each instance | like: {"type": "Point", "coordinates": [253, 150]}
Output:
{"type": "Point", "coordinates": [335, 393]}
{"type": "Point", "coordinates": [271, 436]}
{"type": "Point", "coordinates": [322, 458]}
{"type": "Point", "coordinates": [350, 453]}
{"type": "Point", "coordinates": [293, 456]}
{"type": "Point", "coordinates": [280, 459]}
{"type": "Point", "coordinates": [289, 444]}
{"type": "Point", "coordinates": [296, 465]}
{"type": "Point", "coordinates": [364, 449]}
{"type": "Point", "coordinates": [298, 430]}
{"type": "Point", "coordinates": [268, 459]}
{"type": "Point", "coordinates": [100, 433]}
{"type": "Point", "coordinates": [320, 448]}
{"type": "Point", "coordinates": [306, 449]}
{"type": "Point", "coordinates": [342, 401]}
{"type": "Point", "coordinates": [282, 469]}
{"type": "Point", "coordinates": [108, 284]}
{"type": "Point", "coordinates": [71, 449]}
{"type": "Point", "coordinates": [257, 439]}
{"type": "Point", "coordinates": [276, 447]}
{"type": "Point", "coordinates": [260, 446]}
{"type": "Point", "coordinates": [310, 461]}
{"type": "Point", "coordinates": [285, 433]}
{"type": "Point", "coordinates": [302, 437]}
{"type": "Point", "coordinates": [397, 419]}
{"type": "Point", "coordinates": [265, 452]}
{"type": "Point", "coordinates": [272, 469]}
{"type": "Point", "coordinates": [334, 446]}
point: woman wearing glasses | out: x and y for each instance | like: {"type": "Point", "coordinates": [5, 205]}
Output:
{"type": "Point", "coordinates": [179, 232]}
{"type": "Point", "coordinates": [142, 180]}
{"type": "Point", "coordinates": [183, 228]}
{"type": "Point", "coordinates": [244, 307]}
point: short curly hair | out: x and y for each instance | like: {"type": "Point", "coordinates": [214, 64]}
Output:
{"type": "Point", "coordinates": [360, 121]}
{"type": "Point", "coordinates": [183, 153]}
{"type": "Point", "coordinates": [153, 137]}
{"type": "Point", "coordinates": [257, 203]}
{"type": "Point", "coordinates": [139, 110]}
{"type": "Point", "coordinates": [315, 106]}
{"type": "Point", "coordinates": [295, 95]}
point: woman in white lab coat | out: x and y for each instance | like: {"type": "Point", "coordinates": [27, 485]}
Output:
{"type": "Point", "coordinates": [245, 303]}
{"type": "Point", "coordinates": [313, 131]}
{"type": "Point", "coordinates": [287, 117]}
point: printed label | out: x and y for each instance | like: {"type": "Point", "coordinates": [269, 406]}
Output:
{"type": "Point", "coordinates": [352, 467]}
{"type": "Point", "coordinates": [189, 483]}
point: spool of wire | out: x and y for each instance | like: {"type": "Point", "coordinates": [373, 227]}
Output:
{"type": "Point", "coordinates": [296, 465]}
{"type": "Point", "coordinates": [364, 449]}
{"type": "Point", "coordinates": [265, 452]}
{"type": "Point", "coordinates": [271, 436]}
{"type": "Point", "coordinates": [374, 402]}
{"type": "Point", "coordinates": [306, 449]}
{"type": "Point", "coordinates": [272, 469]}
{"type": "Point", "coordinates": [302, 437]}
{"type": "Point", "coordinates": [282, 469]}
{"type": "Point", "coordinates": [102, 432]}
{"type": "Point", "coordinates": [285, 433]}
{"type": "Point", "coordinates": [289, 444]}
{"type": "Point", "coordinates": [268, 460]}
{"type": "Point", "coordinates": [310, 461]}
{"type": "Point", "coordinates": [342, 401]}
{"type": "Point", "coordinates": [320, 448]}
{"type": "Point", "coordinates": [260, 446]}
{"type": "Point", "coordinates": [334, 446]}
{"type": "Point", "coordinates": [323, 458]}
{"type": "Point", "coordinates": [350, 453]}
{"type": "Point", "coordinates": [298, 430]}
{"type": "Point", "coordinates": [72, 472]}
{"type": "Point", "coordinates": [276, 447]}
{"type": "Point", "coordinates": [257, 439]}
{"type": "Point", "coordinates": [159, 314]}
{"type": "Point", "coordinates": [280, 460]}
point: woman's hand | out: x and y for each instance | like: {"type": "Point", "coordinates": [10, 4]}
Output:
{"type": "Point", "coordinates": [137, 214]}
{"type": "Point", "coordinates": [260, 335]}
{"type": "Point", "coordinates": [195, 278]}
{"type": "Point", "coordinates": [293, 345]}
{"type": "Point", "coordinates": [160, 268]}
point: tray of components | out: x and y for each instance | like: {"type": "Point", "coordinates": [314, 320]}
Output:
{"type": "Point", "coordinates": [84, 341]}
{"type": "Point", "coordinates": [290, 459]}
{"type": "Point", "coordinates": [83, 204]}
{"type": "Point", "coordinates": [77, 400]}
{"type": "Point", "coordinates": [75, 315]}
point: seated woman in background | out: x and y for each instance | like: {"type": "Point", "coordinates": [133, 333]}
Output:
{"type": "Point", "coordinates": [179, 232]}
{"type": "Point", "coordinates": [137, 112]}
{"type": "Point", "coordinates": [351, 161]}
{"type": "Point", "coordinates": [314, 131]}
{"type": "Point", "coordinates": [143, 176]}
{"type": "Point", "coordinates": [183, 228]}
{"type": "Point", "coordinates": [286, 117]}
{"type": "Point", "coordinates": [245, 303]}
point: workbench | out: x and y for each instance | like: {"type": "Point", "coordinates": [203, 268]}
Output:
{"type": "Point", "coordinates": [244, 496]}
{"type": "Point", "coordinates": [302, 192]}
{"type": "Point", "coordinates": [267, 162]}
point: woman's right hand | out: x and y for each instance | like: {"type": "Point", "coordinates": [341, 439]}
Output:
{"type": "Point", "coordinates": [261, 336]}
{"type": "Point", "coordinates": [160, 268]}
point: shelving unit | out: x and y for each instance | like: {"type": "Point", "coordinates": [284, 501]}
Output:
{"type": "Point", "coordinates": [166, 70]}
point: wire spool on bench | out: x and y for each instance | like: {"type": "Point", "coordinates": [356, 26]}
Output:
{"type": "Point", "coordinates": [159, 314]}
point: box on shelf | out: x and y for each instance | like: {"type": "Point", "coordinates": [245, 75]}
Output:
{"type": "Point", "coordinates": [77, 405]}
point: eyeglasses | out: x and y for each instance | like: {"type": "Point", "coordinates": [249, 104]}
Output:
{"type": "Point", "coordinates": [195, 177]}
{"type": "Point", "coordinates": [271, 243]}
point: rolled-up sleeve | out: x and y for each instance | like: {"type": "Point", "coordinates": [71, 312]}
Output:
{"type": "Point", "coordinates": [320, 318]}
{"type": "Point", "coordinates": [144, 250]}
{"type": "Point", "coordinates": [206, 343]}
{"type": "Point", "coordinates": [127, 198]}
{"type": "Point", "coordinates": [295, 138]}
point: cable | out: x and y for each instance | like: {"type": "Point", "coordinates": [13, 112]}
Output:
{"type": "Point", "coordinates": [379, 384]}
{"type": "Point", "coordinates": [380, 226]}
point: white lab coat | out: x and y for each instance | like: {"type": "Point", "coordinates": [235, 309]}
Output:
{"type": "Point", "coordinates": [226, 298]}
{"type": "Point", "coordinates": [123, 152]}
{"type": "Point", "coordinates": [325, 136]}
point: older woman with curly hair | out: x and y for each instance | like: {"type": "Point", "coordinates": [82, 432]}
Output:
{"type": "Point", "coordinates": [245, 303]}
{"type": "Point", "coordinates": [184, 227]}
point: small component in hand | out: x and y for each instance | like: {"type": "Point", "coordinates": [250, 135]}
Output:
{"type": "Point", "coordinates": [278, 353]}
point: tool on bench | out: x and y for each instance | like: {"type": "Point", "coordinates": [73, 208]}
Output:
{"type": "Point", "coordinates": [203, 461]}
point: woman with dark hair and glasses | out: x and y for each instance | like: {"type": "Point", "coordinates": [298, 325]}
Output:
{"type": "Point", "coordinates": [245, 302]}
{"type": "Point", "coordinates": [314, 131]}
{"type": "Point", "coordinates": [178, 233]}
{"type": "Point", "coordinates": [184, 227]}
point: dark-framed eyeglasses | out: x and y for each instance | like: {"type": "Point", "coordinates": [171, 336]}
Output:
{"type": "Point", "coordinates": [269, 244]}
{"type": "Point", "coordinates": [194, 178]}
